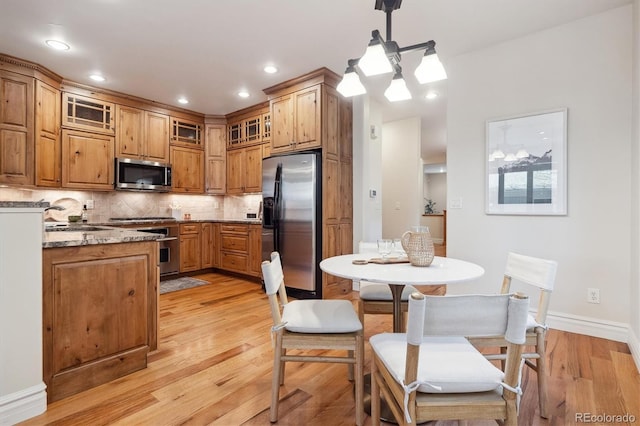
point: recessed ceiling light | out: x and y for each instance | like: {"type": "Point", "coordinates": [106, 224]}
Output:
{"type": "Point", "coordinates": [183, 101]}
{"type": "Point", "coordinates": [57, 45]}
{"type": "Point", "coordinates": [431, 95]}
{"type": "Point", "coordinates": [97, 77]}
{"type": "Point", "coordinates": [270, 69]}
{"type": "Point", "coordinates": [243, 94]}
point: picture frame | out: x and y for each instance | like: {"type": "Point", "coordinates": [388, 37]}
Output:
{"type": "Point", "coordinates": [526, 164]}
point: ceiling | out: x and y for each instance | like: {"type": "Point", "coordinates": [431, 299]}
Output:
{"type": "Point", "coordinates": [207, 50]}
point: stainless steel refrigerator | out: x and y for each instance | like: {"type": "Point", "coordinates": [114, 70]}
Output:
{"type": "Point", "coordinates": [292, 219]}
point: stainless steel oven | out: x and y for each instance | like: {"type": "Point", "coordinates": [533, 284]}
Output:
{"type": "Point", "coordinates": [169, 247]}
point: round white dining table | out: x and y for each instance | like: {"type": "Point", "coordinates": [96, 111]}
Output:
{"type": "Point", "coordinates": [443, 270]}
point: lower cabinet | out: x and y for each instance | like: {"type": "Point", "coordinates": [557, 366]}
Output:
{"type": "Point", "coordinates": [190, 247]}
{"type": "Point", "coordinates": [100, 307]}
{"type": "Point", "coordinates": [210, 248]}
{"type": "Point", "coordinates": [234, 247]}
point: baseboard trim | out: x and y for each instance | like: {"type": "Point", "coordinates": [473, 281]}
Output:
{"type": "Point", "coordinates": [594, 327]}
{"type": "Point", "coordinates": [22, 405]}
{"type": "Point", "coordinates": [634, 347]}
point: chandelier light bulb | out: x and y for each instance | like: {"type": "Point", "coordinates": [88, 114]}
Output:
{"type": "Point", "coordinates": [522, 153]}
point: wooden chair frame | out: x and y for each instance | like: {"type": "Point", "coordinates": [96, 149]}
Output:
{"type": "Point", "coordinates": [539, 273]}
{"type": "Point", "coordinates": [352, 342]}
{"type": "Point", "coordinates": [423, 407]}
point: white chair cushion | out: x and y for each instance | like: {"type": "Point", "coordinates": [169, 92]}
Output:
{"type": "Point", "coordinates": [375, 291]}
{"type": "Point", "coordinates": [450, 364]}
{"type": "Point", "coordinates": [320, 316]}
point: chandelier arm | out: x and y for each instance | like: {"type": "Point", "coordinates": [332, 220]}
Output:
{"type": "Point", "coordinates": [388, 13]}
{"type": "Point", "coordinates": [426, 45]}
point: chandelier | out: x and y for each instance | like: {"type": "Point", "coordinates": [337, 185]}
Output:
{"type": "Point", "coordinates": [383, 56]}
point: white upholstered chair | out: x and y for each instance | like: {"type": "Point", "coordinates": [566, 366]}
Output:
{"type": "Point", "coordinates": [433, 373]}
{"type": "Point", "coordinates": [539, 274]}
{"type": "Point", "coordinates": [312, 324]}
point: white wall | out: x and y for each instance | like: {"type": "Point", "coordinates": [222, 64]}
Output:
{"type": "Point", "coordinates": [367, 175]}
{"type": "Point", "coordinates": [401, 177]}
{"type": "Point", "coordinates": [634, 341]}
{"type": "Point", "coordinates": [584, 66]}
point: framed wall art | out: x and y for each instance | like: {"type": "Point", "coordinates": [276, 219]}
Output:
{"type": "Point", "coordinates": [526, 162]}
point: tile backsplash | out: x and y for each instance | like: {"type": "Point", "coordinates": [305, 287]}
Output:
{"type": "Point", "coordinates": [128, 203]}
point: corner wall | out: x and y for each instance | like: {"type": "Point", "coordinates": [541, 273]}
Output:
{"type": "Point", "coordinates": [585, 66]}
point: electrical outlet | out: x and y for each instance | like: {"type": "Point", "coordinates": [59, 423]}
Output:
{"type": "Point", "coordinates": [593, 295]}
{"type": "Point", "coordinates": [89, 204]}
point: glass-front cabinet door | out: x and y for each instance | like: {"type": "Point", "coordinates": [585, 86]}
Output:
{"type": "Point", "coordinates": [186, 133]}
{"type": "Point", "coordinates": [86, 113]}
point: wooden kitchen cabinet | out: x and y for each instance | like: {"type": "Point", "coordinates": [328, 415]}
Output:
{"type": "Point", "coordinates": [89, 114]}
{"type": "Point", "coordinates": [47, 133]}
{"type": "Point", "coordinates": [234, 247]}
{"type": "Point", "coordinates": [215, 159]}
{"type": "Point", "coordinates": [307, 112]}
{"type": "Point", "coordinates": [296, 120]}
{"type": "Point", "coordinates": [87, 160]}
{"type": "Point", "coordinates": [16, 128]}
{"type": "Point", "coordinates": [186, 133]}
{"type": "Point", "coordinates": [190, 247]}
{"type": "Point", "coordinates": [255, 250]}
{"type": "Point", "coordinates": [187, 170]}
{"type": "Point", "coordinates": [100, 305]}
{"type": "Point", "coordinates": [244, 170]}
{"type": "Point", "coordinates": [142, 135]}
{"type": "Point", "coordinates": [210, 251]}
{"type": "Point", "coordinates": [249, 126]}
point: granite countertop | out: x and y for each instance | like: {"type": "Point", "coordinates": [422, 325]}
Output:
{"type": "Point", "coordinates": [174, 222]}
{"type": "Point", "coordinates": [83, 235]}
{"type": "Point", "coordinates": [24, 204]}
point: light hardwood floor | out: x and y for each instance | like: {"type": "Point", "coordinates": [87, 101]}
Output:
{"type": "Point", "coordinates": [214, 361]}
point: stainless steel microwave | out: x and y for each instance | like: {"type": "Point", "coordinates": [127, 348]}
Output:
{"type": "Point", "coordinates": [139, 175]}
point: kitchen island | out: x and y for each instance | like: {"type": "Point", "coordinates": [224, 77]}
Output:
{"type": "Point", "coordinates": [100, 305]}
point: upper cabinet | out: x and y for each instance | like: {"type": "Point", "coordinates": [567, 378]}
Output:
{"type": "Point", "coordinates": [16, 128]}
{"type": "Point", "coordinates": [47, 133]}
{"type": "Point", "coordinates": [295, 121]}
{"type": "Point", "coordinates": [87, 160]}
{"type": "Point", "coordinates": [250, 126]}
{"type": "Point", "coordinates": [89, 114]}
{"type": "Point", "coordinates": [186, 133]}
{"type": "Point", "coordinates": [215, 159]}
{"type": "Point", "coordinates": [187, 170]}
{"type": "Point", "coordinates": [143, 135]}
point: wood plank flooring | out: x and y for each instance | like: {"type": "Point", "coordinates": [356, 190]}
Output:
{"type": "Point", "coordinates": [213, 367]}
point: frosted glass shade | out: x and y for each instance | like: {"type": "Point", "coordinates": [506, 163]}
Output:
{"type": "Point", "coordinates": [374, 61]}
{"type": "Point", "coordinates": [430, 69]}
{"type": "Point", "coordinates": [351, 85]}
{"type": "Point", "coordinates": [397, 90]}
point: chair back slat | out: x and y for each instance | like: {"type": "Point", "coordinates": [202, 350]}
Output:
{"type": "Point", "coordinates": [466, 315]}
{"type": "Point", "coordinates": [272, 274]}
{"type": "Point", "coordinates": [531, 270]}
